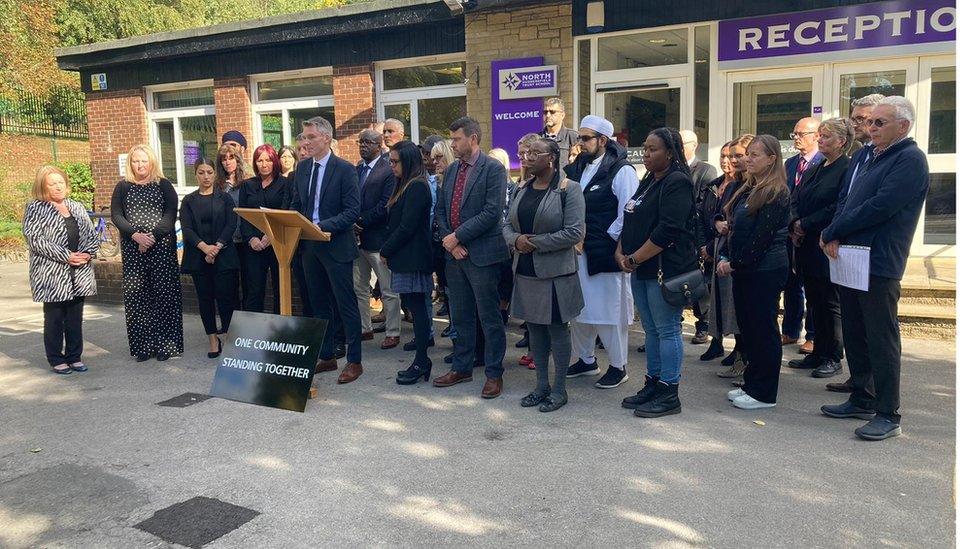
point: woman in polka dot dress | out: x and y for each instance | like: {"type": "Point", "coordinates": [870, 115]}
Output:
{"type": "Point", "coordinates": [144, 207]}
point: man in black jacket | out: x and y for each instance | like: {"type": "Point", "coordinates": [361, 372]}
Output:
{"type": "Point", "coordinates": [553, 115]}
{"type": "Point", "coordinates": [879, 209]}
{"type": "Point", "coordinates": [376, 184]}
{"type": "Point", "coordinates": [702, 173]}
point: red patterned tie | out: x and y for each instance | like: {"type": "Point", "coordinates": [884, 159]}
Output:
{"type": "Point", "coordinates": [802, 167]}
{"type": "Point", "coordinates": [459, 182]}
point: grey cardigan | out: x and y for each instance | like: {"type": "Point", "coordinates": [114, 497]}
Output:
{"type": "Point", "coordinates": [51, 278]}
{"type": "Point", "coordinates": [556, 231]}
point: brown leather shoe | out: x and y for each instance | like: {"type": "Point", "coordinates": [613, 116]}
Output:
{"type": "Point", "coordinates": [377, 318]}
{"type": "Point", "coordinates": [451, 378]}
{"type": "Point", "coordinates": [807, 347]}
{"type": "Point", "coordinates": [787, 340]}
{"type": "Point", "coordinates": [351, 372]}
{"type": "Point", "coordinates": [846, 387]}
{"type": "Point", "coordinates": [329, 365]}
{"type": "Point", "coordinates": [390, 342]}
{"type": "Point", "coordinates": [493, 387]}
{"type": "Point", "coordinates": [366, 336]}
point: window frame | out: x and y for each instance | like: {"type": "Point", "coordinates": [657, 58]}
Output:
{"type": "Point", "coordinates": [410, 96]}
{"type": "Point", "coordinates": [156, 115]}
{"type": "Point", "coordinates": [283, 106]}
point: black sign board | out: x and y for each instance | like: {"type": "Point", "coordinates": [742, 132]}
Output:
{"type": "Point", "coordinates": [269, 360]}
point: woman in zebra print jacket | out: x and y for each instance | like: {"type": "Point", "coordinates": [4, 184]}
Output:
{"type": "Point", "coordinates": [61, 242]}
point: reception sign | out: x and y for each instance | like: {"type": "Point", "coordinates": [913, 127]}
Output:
{"type": "Point", "coordinates": [923, 24]}
{"type": "Point", "coordinates": [514, 116]}
{"type": "Point", "coordinates": [269, 360]}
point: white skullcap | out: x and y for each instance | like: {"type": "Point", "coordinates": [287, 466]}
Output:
{"type": "Point", "coordinates": [597, 124]}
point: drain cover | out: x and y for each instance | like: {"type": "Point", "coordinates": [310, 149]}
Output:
{"type": "Point", "coordinates": [184, 400]}
{"type": "Point", "coordinates": [196, 522]}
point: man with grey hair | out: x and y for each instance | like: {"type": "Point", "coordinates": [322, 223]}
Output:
{"type": "Point", "coordinates": [393, 132]}
{"type": "Point", "coordinates": [378, 128]}
{"type": "Point", "coordinates": [702, 173]}
{"type": "Point", "coordinates": [861, 110]}
{"type": "Point", "coordinates": [878, 209]}
{"type": "Point", "coordinates": [553, 115]}
{"type": "Point", "coordinates": [327, 193]}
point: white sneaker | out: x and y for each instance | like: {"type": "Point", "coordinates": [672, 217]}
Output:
{"type": "Point", "coordinates": [735, 393]}
{"type": "Point", "coordinates": [746, 402]}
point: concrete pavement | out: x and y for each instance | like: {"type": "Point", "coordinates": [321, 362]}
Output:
{"type": "Point", "coordinates": [86, 457]}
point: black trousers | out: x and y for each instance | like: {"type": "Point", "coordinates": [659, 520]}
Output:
{"type": "Point", "coordinates": [700, 309]}
{"type": "Point", "coordinates": [242, 250]}
{"type": "Point", "coordinates": [298, 275]}
{"type": "Point", "coordinates": [416, 303]}
{"type": "Point", "coordinates": [256, 273]}
{"type": "Point", "coordinates": [333, 279]}
{"type": "Point", "coordinates": [824, 304]}
{"type": "Point", "coordinates": [756, 296]}
{"type": "Point", "coordinates": [216, 295]}
{"type": "Point", "coordinates": [872, 340]}
{"type": "Point", "coordinates": [62, 331]}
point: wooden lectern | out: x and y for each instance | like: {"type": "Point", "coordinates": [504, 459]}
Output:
{"type": "Point", "coordinates": [285, 228]}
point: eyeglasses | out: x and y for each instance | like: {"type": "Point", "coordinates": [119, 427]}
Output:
{"type": "Point", "coordinates": [877, 122]}
{"type": "Point", "coordinates": [858, 119]}
{"type": "Point", "coordinates": [551, 112]}
{"type": "Point", "coordinates": [800, 135]}
{"type": "Point", "coordinates": [532, 155]}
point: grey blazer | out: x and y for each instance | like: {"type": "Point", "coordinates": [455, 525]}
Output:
{"type": "Point", "coordinates": [51, 278]}
{"type": "Point", "coordinates": [481, 210]}
{"type": "Point", "coordinates": [556, 231]}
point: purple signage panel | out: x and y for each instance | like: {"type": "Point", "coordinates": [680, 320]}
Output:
{"type": "Point", "coordinates": [513, 118]}
{"type": "Point", "coordinates": [874, 25]}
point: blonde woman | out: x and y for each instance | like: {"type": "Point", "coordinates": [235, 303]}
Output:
{"type": "Point", "coordinates": [61, 243]}
{"type": "Point", "coordinates": [144, 207]}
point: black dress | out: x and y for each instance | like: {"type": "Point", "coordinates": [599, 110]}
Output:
{"type": "Point", "coordinates": [150, 280]}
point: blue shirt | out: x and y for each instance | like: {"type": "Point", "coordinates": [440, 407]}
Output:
{"type": "Point", "coordinates": [315, 187]}
{"type": "Point", "coordinates": [432, 181]}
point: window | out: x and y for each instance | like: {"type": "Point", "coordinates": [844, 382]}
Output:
{"type": "Point", "coordinates": [940, 210]}
{"type": "Point", "coordinates": [942, 111]}
{"type": "Point", "coordinates": [855, 86]}
{"type": "Point", "coordinates": [702, 57]}
{"type": "Point", "coordinates": [183, 127]}
{"type": "Point", "coordinates": [645, 49]}
{"type": "Point", "coordinates": [283, 101]}
{"type": "Point", "coordinates": [426, 97]}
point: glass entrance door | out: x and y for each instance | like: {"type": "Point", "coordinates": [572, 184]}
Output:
{"type": "Point", "coordinates": [635, 111]}
{"type": "Point", "coordinates": [771, 102]}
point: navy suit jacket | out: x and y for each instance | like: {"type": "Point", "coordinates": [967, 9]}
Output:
{"type": "Point", "coordinates": [482, 202]}
{"type": "Point", "coordinates": [338, 207]}
{"type": "Point", "coordinates": [881, 207]}
{"type": "Point", "coordinates": [793, 162]}
{"type": "Point", "coordinates": [374, 195]}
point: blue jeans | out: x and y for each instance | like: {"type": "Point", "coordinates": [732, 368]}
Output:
{"type": "Point", "coordinates": [662, 330]}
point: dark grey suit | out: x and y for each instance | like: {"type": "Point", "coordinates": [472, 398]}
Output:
{"type": "Point", "coordinates": [474, 280]}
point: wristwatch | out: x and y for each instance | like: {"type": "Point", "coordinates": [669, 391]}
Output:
{"type": "Point", "coordinates": [631, 261]}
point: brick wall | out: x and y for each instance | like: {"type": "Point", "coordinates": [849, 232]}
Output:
{"type": "Point", "coordinates": [529, 32]}
{"type": "Point", "coordinates": [116, 122]}
{"type": "Point", "coordinates": [232, 100]}
{"type": "Point", "coordinates": [23, 154]}
{"type": "Point", "coordinates": [355, 108]}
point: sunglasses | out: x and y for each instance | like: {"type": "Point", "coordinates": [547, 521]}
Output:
{"type": "Point", "coordinates": [877, 122]}
{"type": "Point", "coordinates": [586, 138]}
{"type": "Point", "coordinates": [551, 112]}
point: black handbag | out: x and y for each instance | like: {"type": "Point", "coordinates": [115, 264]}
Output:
{"type": "Point", "coordinates": [683, 290]}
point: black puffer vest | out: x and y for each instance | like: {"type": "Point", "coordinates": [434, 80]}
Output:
{"type": "Point", "coordinates": [601, 208]}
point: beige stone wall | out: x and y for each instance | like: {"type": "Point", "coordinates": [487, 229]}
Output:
{"type": "Point", "coordinates": [527, 32]}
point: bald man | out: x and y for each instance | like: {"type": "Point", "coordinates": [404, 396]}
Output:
{"type": "Point", "coordinates": [808, 156]}
{"type": "Point", "coordinates": [702, 173]}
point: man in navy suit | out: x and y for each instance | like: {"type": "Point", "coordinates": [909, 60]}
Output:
{"type": "Point", "coordinates": [469, 212]}
{"type": "Point", "coordinates": [879, 208]}
{"type": "Point", "coordinates": [808, 156]}
{"type": "Point", "coordinates": [376, 182]}
{"type": "Point", "coordinates": [327, 192]}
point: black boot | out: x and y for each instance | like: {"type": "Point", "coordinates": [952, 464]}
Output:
{"type": "Point", "coordinates": [643, 396]}
{"type": "Point", "coordinates": [413, 374]}
{"type": "Point", "coordinates": [714, 350]}
{"type": "Point", "coordinates": [664, 403]}
{"type": "Point", "coordinates": [730, 359]}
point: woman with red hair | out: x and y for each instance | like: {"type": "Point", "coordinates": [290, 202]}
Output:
{"type": "Point", "coordinates": [267, 189]}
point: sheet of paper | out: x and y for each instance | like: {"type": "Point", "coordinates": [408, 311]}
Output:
{"type": "Point", "coordinates": [852, 268]}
